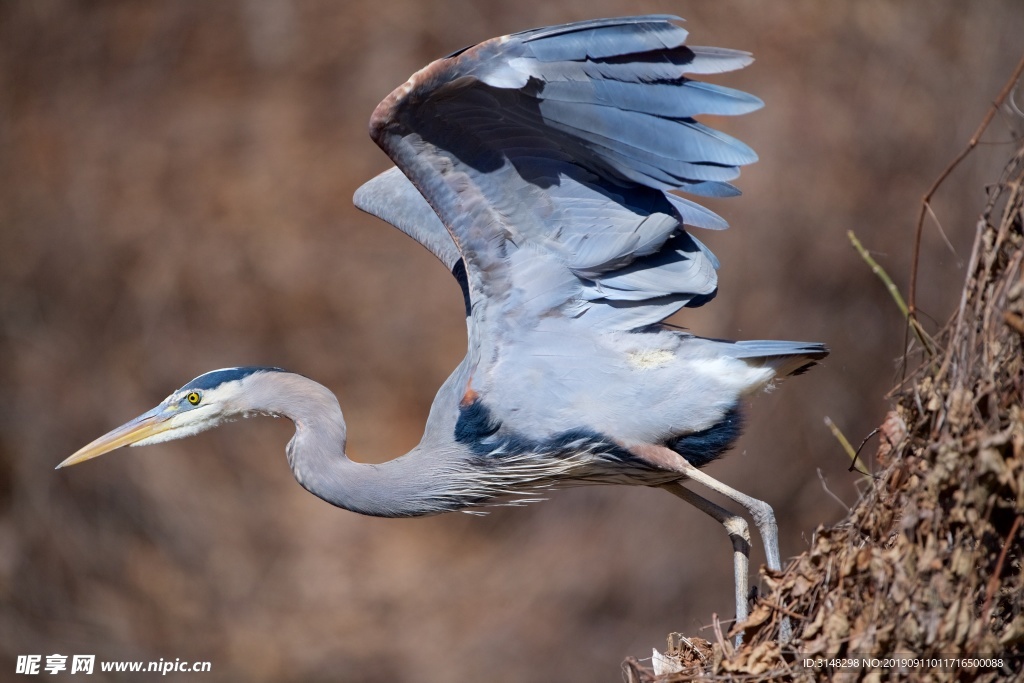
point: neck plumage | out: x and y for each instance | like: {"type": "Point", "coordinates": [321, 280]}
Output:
{"type": "Point", "coordinates": [424, 481]}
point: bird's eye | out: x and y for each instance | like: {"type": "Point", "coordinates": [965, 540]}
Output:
{"type": "Point", "coordinates": [194, 398]}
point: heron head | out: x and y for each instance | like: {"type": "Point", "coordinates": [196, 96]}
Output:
{"type": "Point", "coordinates": [203, 403]}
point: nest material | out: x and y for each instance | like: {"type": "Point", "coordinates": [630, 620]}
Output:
{"type": "Point", "coordinates": [928, 564]}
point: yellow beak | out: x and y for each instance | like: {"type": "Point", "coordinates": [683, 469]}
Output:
{"type": "Point", "coordinates": [144, 426]}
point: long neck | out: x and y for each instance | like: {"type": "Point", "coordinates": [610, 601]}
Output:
{"type": "Point", "coordinates": [418, 483]}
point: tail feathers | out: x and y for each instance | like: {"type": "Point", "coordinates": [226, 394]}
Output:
{"type": "Point", "coordinates": [785, 357]}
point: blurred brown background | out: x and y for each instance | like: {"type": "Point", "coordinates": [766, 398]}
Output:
{"type": "Point", "coordinates": [175, 184]}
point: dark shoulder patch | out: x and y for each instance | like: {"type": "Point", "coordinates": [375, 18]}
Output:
{"type": "Point", "coordinates": [215, 378]}
{"type": "Point", "coordinates": [475, 423]}
{"type": "Point", "coordinates": [700, 448]}
{"type": "Point", "coordinates": [477, 427]}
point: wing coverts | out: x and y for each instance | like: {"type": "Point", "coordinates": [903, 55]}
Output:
{"type": "Point", "coordinates": [549, 155]}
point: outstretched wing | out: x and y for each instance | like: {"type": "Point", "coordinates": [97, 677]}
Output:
{"type": "Point", "coordinates": [549, 156]}
{"type": "Point", "coordinates": [392, 198]}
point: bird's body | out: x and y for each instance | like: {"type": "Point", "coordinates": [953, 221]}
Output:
{"type": "Point", "coordinates": [538, 167]}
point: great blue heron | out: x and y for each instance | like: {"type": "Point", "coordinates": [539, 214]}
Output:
{"type": "Point", "coordinates": [538, 168]}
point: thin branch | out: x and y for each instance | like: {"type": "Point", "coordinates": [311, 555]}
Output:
{"type": "Point", "coordinates": [894, 292]}
{"type": "Point", "coordinates": [1014, 321]}
{"type": "Point", "coordinates": [847, 446]}
{"type": "Point", "coordinates": [926, 200]}
{"type": "Point", "coordinates": [824, 485]}
{"type": "Point", "coordinates": [993, 581]}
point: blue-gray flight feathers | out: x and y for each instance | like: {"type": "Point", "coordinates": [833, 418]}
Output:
{"type": "Point", "coordinates": [570, 140]}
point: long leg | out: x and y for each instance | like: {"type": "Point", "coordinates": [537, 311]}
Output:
{"type": "Point", "coordinates": [760, 511]}
{"type": "Point", "coordinates": [739, 534]}
{"type": "Point", "coordinates": [764, 520]}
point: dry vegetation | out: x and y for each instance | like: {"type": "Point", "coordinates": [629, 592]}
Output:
{"type": "Point", "coordinates": [928, 565]}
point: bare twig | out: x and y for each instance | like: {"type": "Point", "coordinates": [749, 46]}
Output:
{"type": "Point", "coordinates": [847, 446]}
{"type": "Point", "coordinates": [824, 485]}
{"type": "Point", "coordinates": [1014, 321]}
{"type": "Point", "coordinates": [926, 200]}
{"type": "Point", "coordinates": [727, 648]}
{"type": "Point", "coordinates": [779, 608]}
{"type": "Point", "coordinates": [894, 292]}
{"type": "Point", "coordinates": [993, 581]}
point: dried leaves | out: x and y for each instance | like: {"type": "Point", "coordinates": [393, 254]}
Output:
{"type": "Point", "coordinates": [928, 564]}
